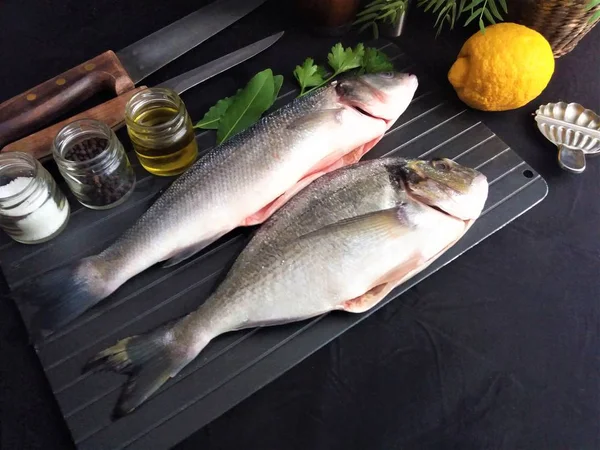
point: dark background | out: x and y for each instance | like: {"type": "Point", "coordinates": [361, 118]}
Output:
{"type": "Point", "coordinates": [498, 350]}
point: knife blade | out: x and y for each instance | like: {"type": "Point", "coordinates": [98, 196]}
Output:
{"type": "Point", "coordinates": [112, 112]}
{"type": "Point", "coordinates": [119, 71]}
{"type": "Point", "coordinates": [156, 50]}
{"type": "Point", "coordinates": [187, 80]}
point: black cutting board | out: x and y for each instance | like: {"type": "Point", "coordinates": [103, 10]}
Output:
{"type": "Point", "coordinates": [235, 365]}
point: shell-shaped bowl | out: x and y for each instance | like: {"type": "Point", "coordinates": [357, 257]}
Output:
{"type": "Point", "coordinates": [555, 121]}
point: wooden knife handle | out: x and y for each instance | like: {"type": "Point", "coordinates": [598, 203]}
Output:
{"type": "Point", "coordinates": [39, 144]}
{"type": "Point", "coordinates": [35, 108]}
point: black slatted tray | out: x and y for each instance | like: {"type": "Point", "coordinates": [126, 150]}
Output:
{"type": "Point", "coordinates": [237, 364]}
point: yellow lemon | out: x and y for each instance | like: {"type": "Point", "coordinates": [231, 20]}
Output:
{"type": "Point", "coordinates": [504, 68]}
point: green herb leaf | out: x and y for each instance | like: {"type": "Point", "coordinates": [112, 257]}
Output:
{"type": "Point", "coordinates": [277, 83]}
{"type": "Point", "coordinates": [592, 4]}
{"type": "Point", "coordinates": [494, 10]}
{"type": "Point", "coordinates": [211, 119]}
{"type": "Point", "coordinates": [309, 74]}
{"type": "Point", "coordinates": [376, 61]}
{"type": "Point", "coordinates": [247, 106]}
{"type": "Point", "coordinates": [488, 16]}
{"type": "Point", "coordinates": [365, 18]}
{"type": "Point", "coordinates": [473, 16]}
{"type": "Point", "coordinates": [481, 25]}
{"type": "Point", "coordinates": [342, 60]}
{"type": "Point", "coordinates": [473, 4]}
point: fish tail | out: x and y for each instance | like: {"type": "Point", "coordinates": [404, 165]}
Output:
{"type": "Point", "coordinates": [58, 296]}
{"type": "Point", "coordinates": [149, 359]}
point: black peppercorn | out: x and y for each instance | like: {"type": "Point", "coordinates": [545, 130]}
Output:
{"type": "Point", "coordinates": [102, 189]}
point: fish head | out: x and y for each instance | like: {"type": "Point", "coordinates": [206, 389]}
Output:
{"type": "Point", "coordinates": [447, 186]}
{"type": "Point", "coordinates": [383, 96]}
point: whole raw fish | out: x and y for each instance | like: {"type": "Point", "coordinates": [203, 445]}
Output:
{"type": "Point", "coordinates": [343, 243]}
{"type": "Point", "coordinates": [240, 183]}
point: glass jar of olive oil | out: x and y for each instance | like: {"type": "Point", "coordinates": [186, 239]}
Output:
{"type": "Point", "coordinates": [161, 131]}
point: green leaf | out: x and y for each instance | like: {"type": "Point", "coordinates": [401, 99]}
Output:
{"type": "Point", "coordinates": [365, 18]}
{"type": "Point", "coordinates": [494, 10]}
{"type": "Point", "coordinates": [211, 119]}
{"type": "Point", "coordinates": [473, 4]}
{"type": "Point", "coordinates": [431, 4]}
{"type": "Point", "coordinates": [592, 4]}
{"type": "Point", "coordinates": [309, 74]}
{"type": "Point", "coordinates": [442, 14]}
{"type": "Point", "coordinates": [504, 7]}
{"type": "Point", "coordinates": [248, 106]}
{"type": "Point", "coordinates": [473, 16]}
{"type": "Point", "coordinates": [595, 17]}
{"type": "Point", "coordinates": [365, 26]}
{"type": "Point", "coordinates": [488, 16]}
{"type": "Point", "coordinates": [277, 83]}
{"type": "Point", "coordinates": [451, 18]}
{"type": "Point", "coordinates": [439, 4]}
{"type": "Point", "coordinates": [376, 61]}
{"type": "Point", "coordinates": [342, 60]}
{"type": "Point", "coordinates": [481, 25]}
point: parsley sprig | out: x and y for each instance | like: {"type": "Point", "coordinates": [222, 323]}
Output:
{"type": "Point", "coordinates": [311, 76]}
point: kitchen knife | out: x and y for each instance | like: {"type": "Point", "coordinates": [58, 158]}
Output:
{"type": "Point", "coordinates": [112, 112]}
{"type": "Point", "coordinates": [119, 71]}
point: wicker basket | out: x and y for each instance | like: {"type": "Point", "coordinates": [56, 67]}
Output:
{"type": "Point", "coordinates": [563, 22]}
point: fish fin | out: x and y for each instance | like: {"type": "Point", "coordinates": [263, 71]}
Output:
{"type": "Point", "coordinates": [58, 296]}
{"type": "Point", "coordinates": [317, 118]}
{"type": "Point", "coordinates": [367, 300]}
{"type": "Point", "coordinates": [149, 359]}
{"type": "Point", "coordinates": [334, 162]}
{"type": "Point", "coordinates": [388, 282]}
{"type": "Point", "coordinates": [264, 213]}
{"type": "Point", "coordinates": [319, 170]}
{"type": "Point", "coordinates": [384, 286]}
{"type": "Point", "coordinates": [355, 155]}
{"type": "Point", "coordinates": [385, 221]}
{"type": "Point", "coordinates": [188, 252]}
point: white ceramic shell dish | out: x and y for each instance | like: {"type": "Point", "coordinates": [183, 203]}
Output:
{"type": "Point", "coordinates": [574, 129]}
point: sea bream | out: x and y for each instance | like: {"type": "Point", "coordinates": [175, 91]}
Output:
{"type": "Point", "coordinates": [239, 183]}
{"type": "Point", "coordinates": [342, 243]}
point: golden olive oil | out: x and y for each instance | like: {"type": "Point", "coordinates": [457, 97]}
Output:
{"type": "Point", "coordinates": [161, 131]}
{"type": "Point", "coordinates": [174, 157]}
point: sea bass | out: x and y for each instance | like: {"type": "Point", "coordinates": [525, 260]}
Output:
{"type": "Point", "coordinates": [343, 243]}
{"type": "Point", "coordinates": [239, 183]}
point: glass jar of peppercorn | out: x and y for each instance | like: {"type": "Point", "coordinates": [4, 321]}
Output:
{"type": "Point", "coordinates": [94, 164]}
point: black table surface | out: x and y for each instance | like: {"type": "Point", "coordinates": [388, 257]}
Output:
{"type": "Point", "coordinates": [498, 350]}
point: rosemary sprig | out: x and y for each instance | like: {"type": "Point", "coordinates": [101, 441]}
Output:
{"type": "Point", "coordinates": [379, 11]}
{"type": "Point", "coordinates": [592, 5]}
{"type": "Point", "coordinates": [448, 11]}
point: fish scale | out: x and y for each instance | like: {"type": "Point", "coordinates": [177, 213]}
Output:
{"type": "Point", "coordinates": [240, 182]}
{"type": "Point", "coordinates": [342, 243]}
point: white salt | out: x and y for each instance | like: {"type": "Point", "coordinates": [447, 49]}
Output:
{"type": "Point", "coordinates": [14, 187]}
{"type": "Point", "coordinates": [41, 216]}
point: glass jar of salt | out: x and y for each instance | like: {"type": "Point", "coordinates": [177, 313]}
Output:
{"type": "Point", "coordinates": [32, 207]}
{"type": "Point", "coordinates": [94, 164]}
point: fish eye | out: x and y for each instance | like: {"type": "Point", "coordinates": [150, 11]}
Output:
{"type": "Point", "coordinates": [441, 165]}
{"type": "Point", "coordinates": [342, 88]}
{"type": "Point", "coordinates": [387, 74]}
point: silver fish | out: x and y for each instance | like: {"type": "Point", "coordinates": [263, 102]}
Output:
{"type": "Point", "coordinates": [342, 243]}
{"type": "Point", "coordinates": [240, 183]}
